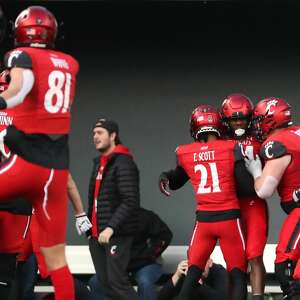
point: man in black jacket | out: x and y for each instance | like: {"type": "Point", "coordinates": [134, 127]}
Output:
{"type": "Point", "coordinates": [113, 210]}
{"type": "Point", "coordinates": [152, 238]}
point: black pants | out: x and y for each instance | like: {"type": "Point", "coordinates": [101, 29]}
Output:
{"type": "Point", "coordinates": [110, 262]}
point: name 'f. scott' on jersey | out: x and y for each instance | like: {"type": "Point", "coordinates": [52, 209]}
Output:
{"type": "Point", "coordinates": [210, 167]}
{"type": "Point", "coordinates": [46, 109]}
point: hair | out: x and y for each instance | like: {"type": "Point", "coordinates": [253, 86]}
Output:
{"type": "Point", "coordinates": [117, 139]}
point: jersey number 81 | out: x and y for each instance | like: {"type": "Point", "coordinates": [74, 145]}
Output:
{"type": "Point", "coordinates": [57, 98]}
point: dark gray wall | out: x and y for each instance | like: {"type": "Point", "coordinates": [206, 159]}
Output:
{"type": "Point", "coordinates": [147, 66]}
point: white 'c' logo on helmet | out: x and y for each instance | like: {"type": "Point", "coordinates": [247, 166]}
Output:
{"type": "Point", "coordinates": [21, 16]}
{"type": "Point", "coordinates": [270, 106]}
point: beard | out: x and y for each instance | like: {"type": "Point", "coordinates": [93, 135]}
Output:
{"type": "Point", "coordinates": [104, 148]}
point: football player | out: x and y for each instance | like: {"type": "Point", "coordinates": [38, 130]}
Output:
{"type": "Point", "coordinates": [14, 216]}
{"type": "Point", "coordinates": [41, 92]}
{"type": "Point", "coordinates": [272, 120]}
{"type": "Point", "coordinates": [236, 111]}
{"type": "Point", "coordinates": [209, 164]}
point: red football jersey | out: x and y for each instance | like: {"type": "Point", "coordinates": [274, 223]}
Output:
{"type": "Point", "coordinates": [46, 109]}
{"type": "Point", "coordinates": [210, 167]}
{"type": "Point", "coordinates": [251, 146]}
{"type": "Point", "coordinates": [289, 138]}
{"type": "Point", "coordinates": [6, 119]}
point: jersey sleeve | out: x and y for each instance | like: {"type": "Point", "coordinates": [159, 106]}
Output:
{"type": "Point", "coordinates": [17, 59]}
{"type": "Point", "coordinates": [177, 177]}
{"type": "Point", "coordinates": [272, 150]}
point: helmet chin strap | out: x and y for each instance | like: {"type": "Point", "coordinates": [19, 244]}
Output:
{"type": "Point", "coordinates": [239, 132]}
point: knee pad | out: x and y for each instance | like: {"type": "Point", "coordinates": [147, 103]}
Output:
{"type": "Point", "coordinates": [8, 267]}
{"type": "Point", "coordinates": [284, 273]}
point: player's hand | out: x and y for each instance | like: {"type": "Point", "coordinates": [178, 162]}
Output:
{"type": "Point", "coordinates": [163, 183]}
{"type": "Point", "coordinates": [105, 235]}
{"type": "Point", "coordinates": [182, 268]}
{"type": "Point", "coordinates": [253, 166]}
{"type": "Point", "coordinates": [83, 223]}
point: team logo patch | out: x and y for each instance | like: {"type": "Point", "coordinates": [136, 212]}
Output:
{"type": "Point", "coordinates": [113, 249]}
{"type": "Point", "coordinates": [268, 147]}
{"type": "Point", "coordinates": [12, 56]}
{"type": "Point", "coordinates": [210, 118]}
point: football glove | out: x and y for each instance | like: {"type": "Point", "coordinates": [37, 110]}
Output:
{"type": "Point", "coordinates": [163, 183]}
{"type": "Point", "coordinates": [253, 166]}
{"type": "Point", "coordinates": [83, 223]}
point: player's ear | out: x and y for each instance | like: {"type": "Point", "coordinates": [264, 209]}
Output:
{"type": "Point", "coordinates": [113, 136]}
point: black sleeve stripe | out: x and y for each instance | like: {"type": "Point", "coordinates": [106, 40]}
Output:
{"type": "Point", "coordinates": [272, 150]}
{"type": "Point", "coordinates": [18, 59]}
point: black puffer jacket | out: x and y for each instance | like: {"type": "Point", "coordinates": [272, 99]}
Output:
{"type": "Point", "coordinates": [151, 239]}
{"type": "Point", "coordinates": [118, 199]}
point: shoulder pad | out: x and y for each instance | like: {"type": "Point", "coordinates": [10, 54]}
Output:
{"type": "Point", "coordinates": [272, 150]}
{"type": "Point", "coordinates": [18, 59]}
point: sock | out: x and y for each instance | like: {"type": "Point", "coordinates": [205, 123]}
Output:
{"type": "Point", "coordinates": [63, 283]}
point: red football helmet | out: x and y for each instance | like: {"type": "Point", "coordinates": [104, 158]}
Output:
{"type": "Point", "coordinates": [35, 27]}
{"type": "Point", "coordinates": [205, 118]}
{"type": "Point", "coordinates": [236, 106]}
{"type": "Point", "coordinates": [269, 114]}
{"type": "Point", "coordinates": [4, 80]}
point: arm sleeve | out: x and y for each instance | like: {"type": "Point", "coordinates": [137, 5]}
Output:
{"type": "Point", "coordinates": [177, 178]}
{"type": "Point", "coordinates": [243, 179]}
{"type": "Point", "coordinates": [127, 178]}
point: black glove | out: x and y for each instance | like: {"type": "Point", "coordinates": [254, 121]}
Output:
{"type": "Point", "coordinates": [163, 183]}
